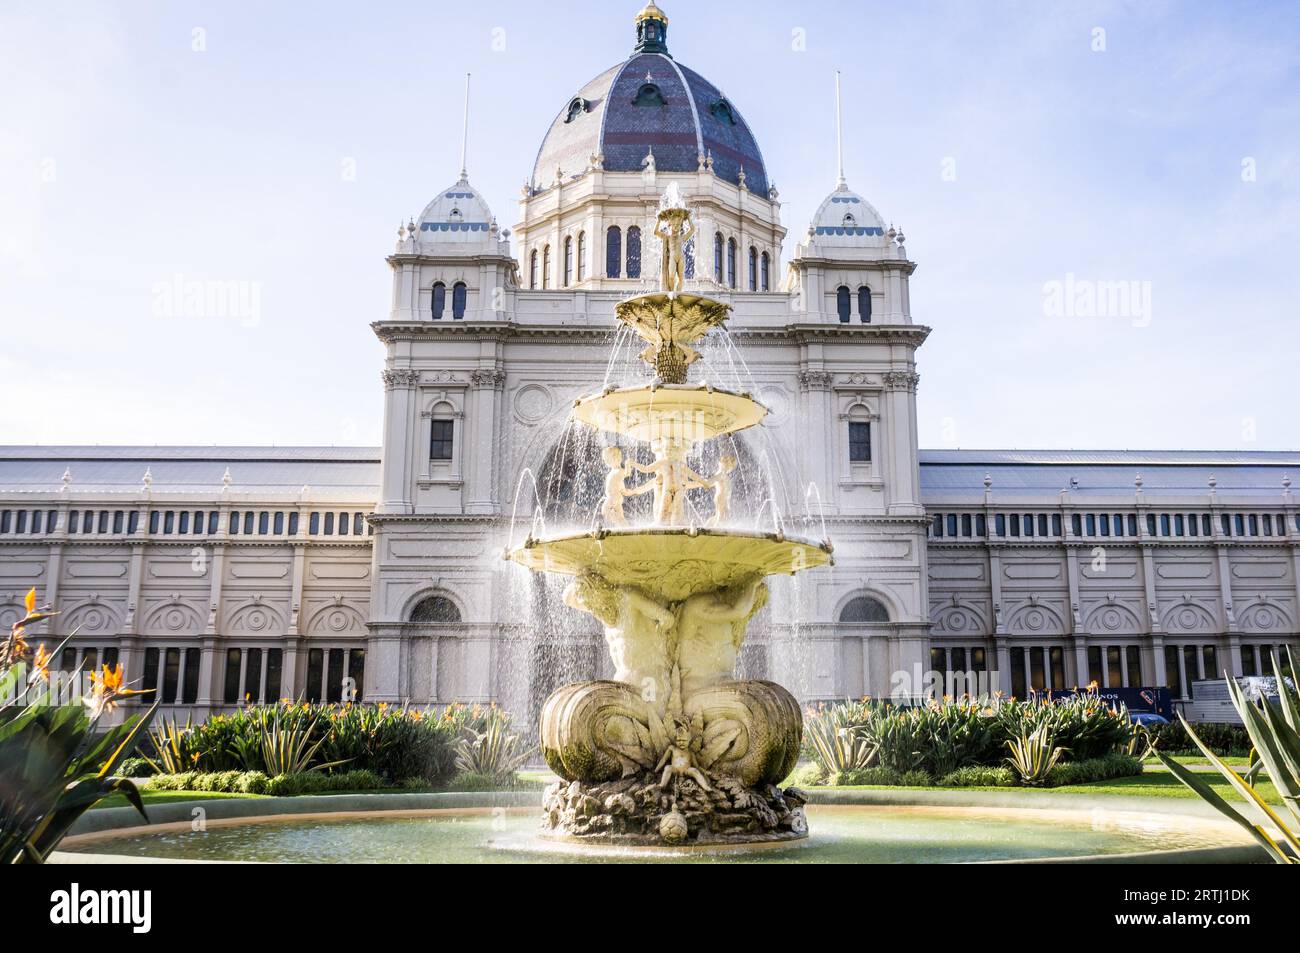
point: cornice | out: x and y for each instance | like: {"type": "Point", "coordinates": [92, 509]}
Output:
{"type": "Point", "coordinates": [389, 331]}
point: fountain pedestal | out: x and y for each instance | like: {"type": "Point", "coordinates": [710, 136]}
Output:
{"type": "Point", "coordinates": [673, 750]}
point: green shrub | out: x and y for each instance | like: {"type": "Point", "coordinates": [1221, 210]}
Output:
{"type": "Point", "coordinates": [256, 782]}
{"type": "Point", "coordinates": [473, 781]}
{"type": "Point", "coordinates": [867, 776]}
{"type": "Point", "coordinates": [135, 768]}
{"type": "Point", "coordinates": [942, 738]}
{"type": "Point", "coordinates": [806, 775]}
{"type": "Point", "coordinates": [1222, 740]}
{"type": "Point", "coordinates": [978, 776]}
{"type": "Point", "coordinates": [1094, 769]}
{"type": "Point", "coordinates": [395, 743]}
{"type": "Point", "coordinates": [493, 752]}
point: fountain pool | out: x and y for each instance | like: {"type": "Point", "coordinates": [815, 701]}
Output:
{"type": "Point", "coordinates": [845, 833]}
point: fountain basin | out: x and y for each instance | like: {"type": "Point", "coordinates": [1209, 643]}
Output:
{"type": "Point", "coordinates": [680, 413]}
{"type": "Point", "coordinates": [860, 827]}
{"type": "Point", "coordinates": [681, 318]}
{"type": "Point", "coordinates": [671, 564]}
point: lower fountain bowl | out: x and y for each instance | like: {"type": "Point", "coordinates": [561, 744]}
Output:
{"type": "Point", "coordinates": [671, 564]}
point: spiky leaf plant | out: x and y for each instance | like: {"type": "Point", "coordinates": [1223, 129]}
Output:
{"type": "Point", "coordinates": [1274, 729]}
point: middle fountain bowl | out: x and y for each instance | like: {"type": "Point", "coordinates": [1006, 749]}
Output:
{"type": "Point", "coordinates": [672, 564]}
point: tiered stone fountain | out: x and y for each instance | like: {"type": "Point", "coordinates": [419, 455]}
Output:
{"type": "Point", "coordinates": [673, 750]}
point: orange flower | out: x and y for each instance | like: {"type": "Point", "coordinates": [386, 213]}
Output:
{"type": "Point", "coordinates": [41, 663]}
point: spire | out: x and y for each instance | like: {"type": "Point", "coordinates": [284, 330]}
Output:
{"type": "Point", "coordinates": [839, 136]}
{"type": "Point", "coordinates": [464, 134]}
{"type": "Point", "coordinates": [651, 30]}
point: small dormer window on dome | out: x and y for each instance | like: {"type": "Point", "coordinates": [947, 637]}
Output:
{"type": "Point", "coordinates": [848, 221]}
{"type": "Point", "coordinates": [723, 112]}
{"type": "Point", "coordinates": [455, 216]}
{"type": "Point", "coordinates": [649, 95]}
{"type": "Point", "coordinates": [577, 106]}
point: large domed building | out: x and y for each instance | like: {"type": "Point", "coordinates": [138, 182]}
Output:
{"type": "Point", "coordinates": [222, 574]}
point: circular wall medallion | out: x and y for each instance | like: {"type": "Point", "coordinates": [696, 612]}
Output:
{"type": "Point", "coordinates": [175, 618]}
{"type": "Point", "coordinates": [1034, 620]}
{"type": "Point", "coordinates": [777, 402]}
{"type": "Point", "coordinates": [1264, 618]}
{"type": "Point", "coordinates": [338, 620]}
{"type": "Point", "coordinates": [1187, 619]}
{"type": "Point", "coordinates": [1111, 619]}
{"type": "Point", "coordinates": [533, 403]}
{"type": "Point", "coordinates": [257, 621]}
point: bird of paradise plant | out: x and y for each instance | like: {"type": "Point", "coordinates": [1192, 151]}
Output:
{"type": "Point", "coordinates": [1274, 730]}
{"type": "Point", "coordinates": [55, 761]}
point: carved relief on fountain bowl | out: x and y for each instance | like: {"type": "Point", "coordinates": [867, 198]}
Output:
{"type": "Point", "coordinates": [660, 318]}
{"type": "Point", "coordinates": [680, 413]}
{"type": "Point", "coordinates": [672, 564]}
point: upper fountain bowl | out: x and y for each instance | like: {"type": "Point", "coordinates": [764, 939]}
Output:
{"type": "Point", "coordinates": [672, 563]}
{"type": "Point", "coordinates": [684, 414]}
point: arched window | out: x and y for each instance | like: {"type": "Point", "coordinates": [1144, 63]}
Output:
{"type": "Point", "coordinates": [546, 266]}
{"type": "Point", "coordinates": [532, 269]}
{"type": "Point", "coordinates": [731, 262]}
{"type": "Point", "coordinates": [842, 303]}
{"type": "Point", "coordinates": [864, 609]}
{"type": "Point", "coordinates": [458, 295]}
{"type": "Point", "coordinates": [613, 252]}
{"type": "Point", "coordinates": [436, 610]}
{"type": "Point", "coordinates": [765, 273]}
{"type": "Point", "coordinates": [717, 257]}
{"type": "Point", "coordinates": [753, 268]}
{"type": "Point", "coordinates": [439, 300]}
{"type": "Point", "coordinates": [864, 304]}
{"type": "Point", "coordinates": [634, 252]}
{"type": "Point", "coordinates": [568, 262]}
{"type": "Point", "coordinates": [649, 95]}
{"type": "Point", "coordinates": [582, 256]}
{"type": "Point", "coordinates": [576, 108]}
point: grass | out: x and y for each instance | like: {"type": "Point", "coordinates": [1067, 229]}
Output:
{"type": "Point", "coordinates": [1151, 784]}
{"type": "Point", "coordinates": [167, 797]}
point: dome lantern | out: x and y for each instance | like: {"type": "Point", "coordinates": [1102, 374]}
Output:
{"type": "Point", "coordinates": [651, 30]}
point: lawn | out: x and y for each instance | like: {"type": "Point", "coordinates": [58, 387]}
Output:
{"type": "Point", "coordinates": [167, 797]}
{"type": "Point", "coordinates": [1149, 784]}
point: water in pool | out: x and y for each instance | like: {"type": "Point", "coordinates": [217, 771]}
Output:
{"type": "Point", "coordinates": [876, 834]}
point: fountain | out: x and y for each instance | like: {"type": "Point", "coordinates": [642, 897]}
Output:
{"type": "Point", "coordinates": [673, 750]}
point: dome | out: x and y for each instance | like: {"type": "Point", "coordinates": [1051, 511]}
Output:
{"type": "Point", "coordinates": [457, 213]}
{"type": "Point", "coordinates": [845, 218]}
{"type": "Point", "coordinates": [650, 103]}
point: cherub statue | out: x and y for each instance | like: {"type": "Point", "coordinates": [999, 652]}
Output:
{"type": "Point", "coordinates": [672, 478]}
{"type": "Point", "coordinates": [721, 484]}
{"type": "Point", "coordinates": [679, 759]}
{"type": "Point", "coordinates": [616, 489]}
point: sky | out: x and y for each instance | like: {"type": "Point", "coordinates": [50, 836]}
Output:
{"type": "Point", "coordinates": [1038, 156]}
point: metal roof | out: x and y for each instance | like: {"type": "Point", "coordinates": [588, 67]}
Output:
{"type": "Point", "coordinates": [960, 474]}
{"type": "Point", "coordinates": [189, 469]}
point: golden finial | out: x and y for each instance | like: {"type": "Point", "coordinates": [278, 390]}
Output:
{"type": "Point", "coordinates": [651, 12]}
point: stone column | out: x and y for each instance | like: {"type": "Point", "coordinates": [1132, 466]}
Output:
{"type": "Point", "coordinates": [384, 664]}
{"type": "Point", "coordinates": [395, 480]}
{"type": "Point", "coordinates": [815, 388]}
{"type": "Point", "coordinates": [481, 415]}
{"type": "Point", "coordinates": [902, 479]}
